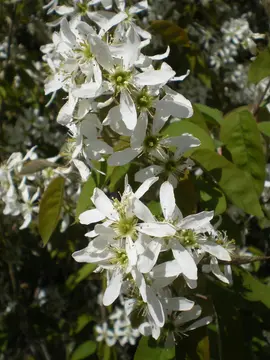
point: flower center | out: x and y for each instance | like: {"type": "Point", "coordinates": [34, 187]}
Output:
{"type": "Point", "coordinates": [187, 237]}
{"type": "Point", "coordinates": [151, 142]}
{"type": "Point", "coordinates": [144, 100]}
{"type": "Point", "coordinates": [170, 166]}
{"type": "Point", "coordinates": [121, 257]}
{"type": "Point", "coordinates": [126, 226]}
{"type": "Point", "coordinates": [121, 78]}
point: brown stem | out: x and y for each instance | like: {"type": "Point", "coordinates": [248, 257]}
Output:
{"type": "Point", "coordinates": [245, 260]}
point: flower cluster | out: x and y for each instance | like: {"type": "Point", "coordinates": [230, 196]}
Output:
{"type": "Point", "coordinates": [143, 256]}
{"type": "Point", "coordinates": [117, 106]}
{"type": "Point", "coordinates": [117, 328]}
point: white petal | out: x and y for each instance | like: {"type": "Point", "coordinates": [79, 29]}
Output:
{"type": "Point", "coordinates": [123, 157]}
{"type": "Point", "coordinates": [140, 6]}
{"type": "Point", "coordinates": [88, 90]}
{"type": "Point", "coordinates": [131, 251]}
{"type": "Point", "coordinates": [216, 250]}
{"type": "Point", "coordinates": [199, 323]}
{"type": "Point", "coordinates": [104, 204]}
{"type": "Point", "coordinates": [186, 142]}
{"type": "Point", "coordinates": [198, 222]}
{"type": "Point", "coordinates": [185, 260]}
{"type": "Point", "coordinates": [175, 105]}
{"type": "Point", "coordinates": [178, 304]}
{"type": "Point", "coordinates": [102, 52]}
{"type": "Point", "coordinates": [217, 272]}
{"type": "Point", "coordinates": [166, 269]}
{"type": "Point", "coordinates": [140, 282]}
{"type": "Point", "coordinates": [142, 211]}
{"type": "Point", "coordinates": [167, 200]}
{"type": "Point", "coordinates": [187, 316]}
{"type": "Point", "coordinates": [145, 187]}
{"type": "Point", "coordinates": [148, 259]}
{"type": "Point", "coordinates": [139, 133]}
{"type": "Point", "coordinates": [128, 110]}
{"type": "Point", "coordinates": [113, 289]}
{"type": "Point", "coordinates": [155, 307]}
{"type": "Point", "coordinates": [82, 168]}
{"type": "Point", "coordinates": [156, 229]}
{"type": "Point", "coordinates": [66, 33]}
{"type": "Point", "coordinates": [161, 56]}
{"type": "Point", "coordinates": [154, 77]}
{"type": "Point", "coordinates": [91, 216]}
{"type": "Point", "coordinates": [114, 119]}
{"type": "Point", "coordinates": [148, 172]}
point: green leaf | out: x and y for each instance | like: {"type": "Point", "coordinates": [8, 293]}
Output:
{"type": "Point", "coordinates": [240, 134]}
{"type": "Point", "coordinates": [260, 67]}
{"type": "Point", "coordinates": [264, 127]}
{"type": "Point", "coordinates": [84, 350]}
{"type": "Point", "coordinates": [144, 351]}
{"type": "Point", "coordinates": [170, 32]}
{"type": "Point", "coordinates": [34, 166]}
{"type": "Point", "coordinates": [184, 126]}
{"type": "Point", "coordinates": [211, 114]}
{"type": "Point", "coordinates": [84, 200]}
{"type": "Point", "coordinates": [252, 289]}
{"type": "Point", "coordinates": [74, 279]}
{"type": "Point", "coordinates": [50, 208]}
{"type": "Point", "coordinates": [235, 183]}
{"type": "Point", "coordinates": [117, 175]}
{"type": "Point", "coordinates": [82, 321]}
{"type": "Point", "coordinates": [211, 197]}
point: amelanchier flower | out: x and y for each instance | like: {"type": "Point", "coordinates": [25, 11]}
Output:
{"type": "Point", "coordinates": [113, 247]}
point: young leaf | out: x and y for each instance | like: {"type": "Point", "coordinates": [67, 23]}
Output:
{"type": "Point", "coordinates": [144, 351]}
{"type": "Point", "coordinates": [260, 67]}
{"type": "Point", "coordinates": [170, 32]}
{"type": "Point", "coordinates": [74, 279]}
{"type": "Point", "coordinates": [34, 166]}
{"type": "Point", "coordinates": [84, 200]}
{"type": "Point", "coordinates": [212, 115]}
{"type": "Point", "coordinates": [264, 127]}
{"type": "Point", "coordinates": [240, 135]}
{"type": "Point", "coordinates": [118, 173]}
{"type": "Point", "coordinates": [50, 208]}
{"type": "Point", "coordinates": [236, 184]}
{"type": "Point", "coordinates": [84, 350]}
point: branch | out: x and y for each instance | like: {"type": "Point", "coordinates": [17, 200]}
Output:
{"type": "Point", "coordinates": [256, 107]}
{"type": "Point", "coordinates": [245, 260]}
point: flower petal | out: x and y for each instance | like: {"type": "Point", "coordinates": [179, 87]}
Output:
{"type": "Point", "coordinates": [113, 289]}
{"type": "Point", "coordinates": [91, 216]}
{"type": "Point", "coordinates": [185, 260]}
{"type": "Point", "coordinates": [104, 204]}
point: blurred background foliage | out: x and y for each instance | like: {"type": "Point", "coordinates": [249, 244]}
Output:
{"type": "Point", "coordinates": [48, 302]}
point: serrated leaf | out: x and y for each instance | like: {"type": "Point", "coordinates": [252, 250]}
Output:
{"type": "Point", "coordinates": [184, 126]}
{"type": "Point", "coordinates": [170, 32]}
{"type": "Point", "coordinates": [260, 67]}
{"type": "Point", "coordinates": [84, 350]}
{"type": "Point", "coordinates": [264, 127]}
{"type": "Point", "coordinates": [236, 184]}
{"type": "Point", "coordinates": [84, 201]}
{"type": "Point", "coordinates": [33, 166]}
{"type": "Point", "coordinates": [50, 208]}
{"type": "Point", "coordinates": [144, 351]}
{"type": "Point", "coordinates": [240, 135]}
{"type": "Point", "coordinates": [74, 279]}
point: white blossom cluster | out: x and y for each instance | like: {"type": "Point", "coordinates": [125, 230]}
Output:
{"type": "Point", "coordinates": [20, 194]}
{"type": "Point", "coordinates": [117, 103]}
{"type": "Point", "coordinates": [117, 329]}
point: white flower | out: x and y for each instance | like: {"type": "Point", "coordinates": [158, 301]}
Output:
{"type": "Point", "coordinates": [28, 207]}
{"type": "Point", "coordinates": [190, 234]}
{"type": "Point", "coordinates": [173, 165]}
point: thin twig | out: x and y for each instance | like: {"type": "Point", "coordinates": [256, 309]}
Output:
{"type": "Point", "coordinates": [245, 260]}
